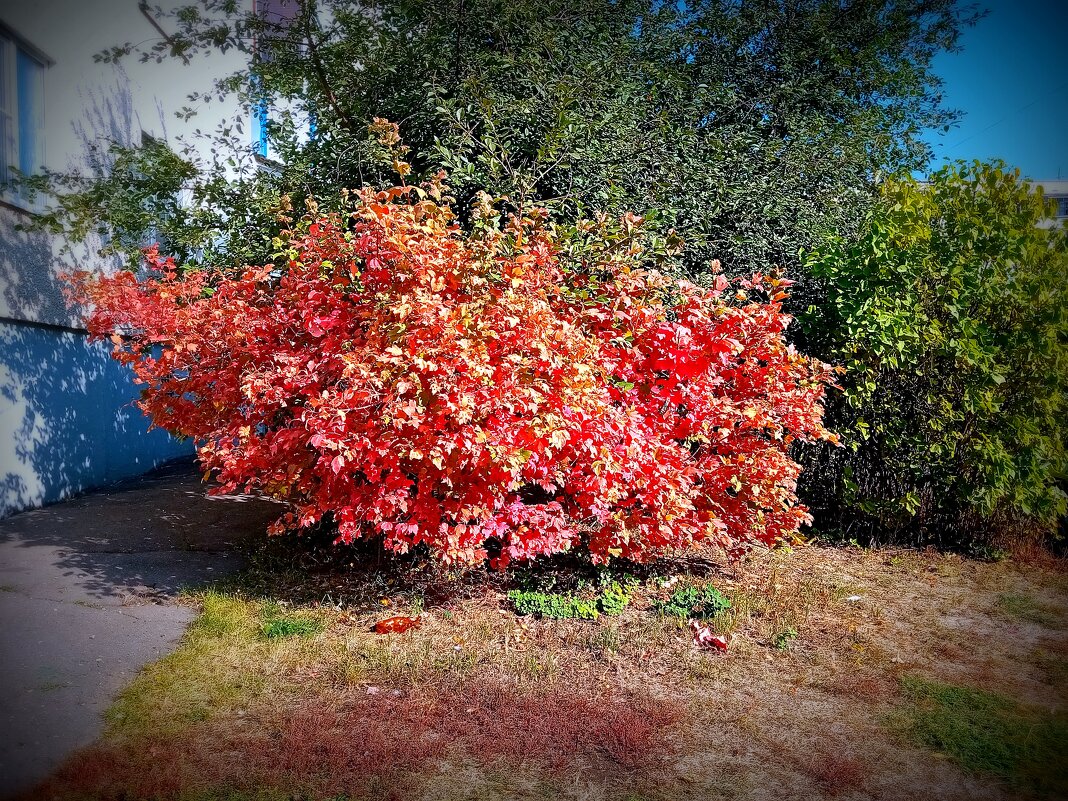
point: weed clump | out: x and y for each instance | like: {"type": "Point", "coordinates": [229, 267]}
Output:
{"type": "Point", "coordinates": [615, 595]}
{"type": "Point", "coordinates": [782, 639]}
{"type": "Point", "coordinates": [612, 600]}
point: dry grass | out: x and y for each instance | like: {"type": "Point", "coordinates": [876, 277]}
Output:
{"type": "Point", "coordinates": [344, 743]}
{"type": "Point", "coordinates": [479, 703]}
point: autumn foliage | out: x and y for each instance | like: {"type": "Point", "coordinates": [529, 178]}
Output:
{"type": "Point", "coordinates": [499, 394]}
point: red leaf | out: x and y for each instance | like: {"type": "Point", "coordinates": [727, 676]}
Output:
{"type": "Point", "coordinates": [397, 625]}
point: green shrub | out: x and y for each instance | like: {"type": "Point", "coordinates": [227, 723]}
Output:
{"type": "Point", "coordinates": [694, 602]}
{"type": "Point", "coordinates": [950, 316]}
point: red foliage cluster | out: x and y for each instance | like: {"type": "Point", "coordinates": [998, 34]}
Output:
{"type": "Point", "coordinates": [484, 394]}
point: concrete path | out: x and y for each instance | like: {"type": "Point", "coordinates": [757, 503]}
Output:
{"type": "Point", "coordinates": [87, 591]}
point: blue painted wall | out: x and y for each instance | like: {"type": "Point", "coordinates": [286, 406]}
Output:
{"type": "Point", "coordinates": [67, 419]}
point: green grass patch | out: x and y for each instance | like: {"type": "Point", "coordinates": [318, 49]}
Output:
{"type": "Point", "coordinates": [217, 667]}
{"type": "Point", "coordinates": [1025, 607]}
{"type": "Point", "coordinates": [224, 616]}
{"type": "Point", "coordinates": [988, 733]}
{"type": "Point", "coordinates": [279, 625]}
{"type": "Point", "coordinates": [694, 601]}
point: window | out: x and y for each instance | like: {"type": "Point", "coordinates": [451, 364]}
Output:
{"type": "Point", "coordinates": [277, 17]}
{"type": "Point", "coordinates": [1062, 207]}
{"type": "Point", "coordinates": [260, 118]}
{"type": "Point", "coordinates": [22, 129]}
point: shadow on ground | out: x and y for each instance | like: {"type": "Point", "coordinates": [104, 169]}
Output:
{"type": "Point", "coordinates": [87, 598]}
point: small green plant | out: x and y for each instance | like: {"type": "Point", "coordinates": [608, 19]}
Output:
{"type": "Point", "coordinates": [694, 601]}
{"type": "Point", "coordinates": [988, 733]}
{"type": "Point", "coordinates": [553, 605]}
{"type": "Point", "coordinates": [781, 640]}
{"type": "Point", "coordinates": [615, 596]}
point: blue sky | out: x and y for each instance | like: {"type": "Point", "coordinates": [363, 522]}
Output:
{"type": "Point", "coordinates": [1011, 80]}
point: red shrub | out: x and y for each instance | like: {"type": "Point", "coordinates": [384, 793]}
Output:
{"type": "Point", "coordinates": [477, 392]}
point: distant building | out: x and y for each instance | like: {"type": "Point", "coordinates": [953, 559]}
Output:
{"type": "Point", "coordinates": [1058, 192]}
{"type": "Point", "coordinates": [67, 420]}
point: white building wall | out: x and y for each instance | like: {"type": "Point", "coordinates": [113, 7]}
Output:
{"type": "Point", "coordinates": [67, 422]}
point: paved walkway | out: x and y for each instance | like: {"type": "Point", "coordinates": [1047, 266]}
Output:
{"type": "Point", "coordinates": [87, 592]}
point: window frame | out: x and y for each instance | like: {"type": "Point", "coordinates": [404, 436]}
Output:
{"type": "Point", "coordinates": [12, 46]}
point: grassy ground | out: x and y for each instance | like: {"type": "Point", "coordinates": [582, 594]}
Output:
{"type": "Point", "coordinates": [850, 674]}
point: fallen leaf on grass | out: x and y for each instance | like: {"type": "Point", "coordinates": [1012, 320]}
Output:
{"type": "Point", "coordinates": [396, 625]}
{"type": "Point", "coordinates": [704, 638]}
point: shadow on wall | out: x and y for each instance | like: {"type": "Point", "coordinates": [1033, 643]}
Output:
{"type": "Point", "coordinates": [29, 289]}
{"type": "Point", "coordinates": [31, 261]}
{"type": "Point", "coordinates": [67, 419]}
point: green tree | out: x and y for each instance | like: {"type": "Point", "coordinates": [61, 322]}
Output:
{"type": "Point", "coordinates": [752, 129]}
{"type": "Point", "coordinates": [950, 315]}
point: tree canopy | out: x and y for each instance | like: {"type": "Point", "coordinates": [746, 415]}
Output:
{"type": "Point", "coordinates": [752, 129]}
